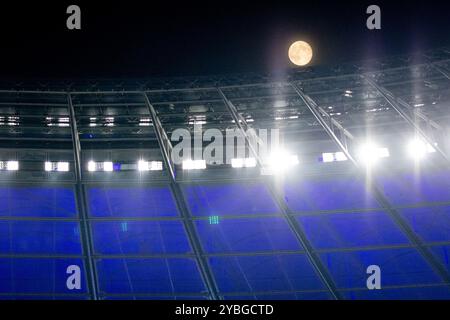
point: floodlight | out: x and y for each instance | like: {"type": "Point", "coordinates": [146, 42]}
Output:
{"type": "Point", "coordinates": [194, 164]}
{"type": "Point", "coordinates": [9, 165]}
{"type": "Point", "coordinates": [418, 148]}
{"type": "Point", "coordinates": [370, 153]}
{"type": "Point", "coordinates": [62, 166]}
{"type": "Point", "coordinates": [109, 121]}
{"type": "Point", "coordinates": [108, 166]}
{"type": "Point", "coordinates": [237, 163]}
{"type": "Point", "coordinates": [145, 122]}
{"type": "Point", "coordinates": [149, 166]}
{"type": "Point", "coordinates": [333, 156]}
{"type": "Point", "coordinates": [92, 166]}
{"type": "Point", "coordinates": [340, 156]}
{"type": "Point", "coordinates": [12, 165]}
{"type": "Point", "coordinates": [156, 165]}
{"type": "Point", "coordinates": [142, 165]}
{"type": "Point", "coordinates": [280, 160]}
{"type": "Point", "coordinates": [56, 166]}
{"type": "Point", "coordinates": [48, 166]}
{"type": "Point", "coordinates": [327, 157]}
{"type": "Point", "coordinates": [199, 164]}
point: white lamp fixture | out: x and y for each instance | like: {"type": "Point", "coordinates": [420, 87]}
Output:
{"type": "Point", "coordinates": [150, 165]}
{"type": "Point", "coordinates": [108, 166]}
{"type": "Point", "coordinates": [370, 153]}
{"type": "Point", "coordinates": [418, 149]}
{"type": "Point", "coordinates": [9, 165]}
{"type": "Point", "coordinates": [92, 166]}
{"type": "Point", "coordinates": [194, 164]}
{"type": "Point", "coordinates": [280, 160]}
{"type": "Point", "coordinates": [56, 166]}
{"type": "Point", "coordinates": [333, 157]}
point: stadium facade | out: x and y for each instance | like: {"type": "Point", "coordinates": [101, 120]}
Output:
{"type": "Point", "coordinates": [73, 192]}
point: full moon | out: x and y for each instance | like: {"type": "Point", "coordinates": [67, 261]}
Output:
{"type": "Point", "coordinates": [300, 53]}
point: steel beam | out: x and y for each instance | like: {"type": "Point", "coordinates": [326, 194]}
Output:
{"type": "Point", "coordinates": [394, 103]}
{"type": "Point", "coordinates": [163, 139]}
{"type": "Point", "coordinates": [415, 111]}
{"type": "Point", "coordinates": [166, 148]}
{"type": "Point", "coordinates": [193, 85]}
{"type": "Point", "coordinates": [242, 125]}
{"type": "Point", "coordinates": [88, 247]}
{"type": "Point", "coordinates": [378, 195]}
{"type": "Point", "coordinates": [292, 222]}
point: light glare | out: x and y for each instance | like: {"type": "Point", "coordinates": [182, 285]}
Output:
{"type": "Point", "coordinates": [48, 166]}
{"type": "Point", "coordinates": [92, 166]}
{"type": "Point", "coordinates": [371, 153]}
{"type": "Point", "coordinates": [418, 149]}
{"type": "Point", "coordinates": [280, 160]}
{"type": "Point", "coordinates": [62, 166]}
{"type": "Point", "coordinates": [9, 165]}
{"type": "Point", "coordinates": [12, 165]}
{"type": "Point", "coordinates": [194, 164]}
{"type": "Point", "coordinates": [56, 166]}
{"type": "Point", "coordinates": [333, 157]}
{"type": "Point", "coordinates": [150, 166]}
{"type": "Point", "coordinates": [108, 166]}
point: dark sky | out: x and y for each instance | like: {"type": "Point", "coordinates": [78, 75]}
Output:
{"type": "Point", "coordinates": [165, 38]}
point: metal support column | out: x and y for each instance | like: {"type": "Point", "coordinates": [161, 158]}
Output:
{"type": "Point", "coordinates": [292, 222]}
{"type": "Point", "coordinates": [378, 195]}
{"type": "Point", "coordinates": [87, 242]}
{"type": "Point", "coordinates": [166, 148]}
{"type": "Point", "coordinates": [395, 104]}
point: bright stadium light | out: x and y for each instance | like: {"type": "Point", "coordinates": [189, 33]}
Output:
{"type": "Point", "coordinates": [237, 163]}
{"type": "Point", "coordinates": [48, 166]}
{"type": "Point", "coordinates": [142, 165]}
{"type": "Point", "coordinates": [62, 166]}
{"type": "Point", "coordinates": [12, 165]}
{"type": "Point", "coordinates": [418, 148]}
{"type": "Point", "coordinates": [150, 165]}
{"type": "Point", "coordinates": [243, 163]}
{"type": "Point", "coordinates": [280, 160]}
{"type": "Point", "coordinates": [145, 122]}
{"type": "Point", "coordinates": [56, 166]}
{"type": "Point", "coordinates": [108, 166]}
{"type": "Point", "coordinates": [92, 166]}
{"type": "Point", "coordinates": [370, 153]}
{"type": "Point", "coordinates": [333, 157]}
{"type": "Point", "coordinates": [156, 166]}
{"type": "Point", "coordinates": [9, 165]}
{"type": "Point", "coordinates": [194, 164]}
{"type": "Point", "coordinates": [340, 156]}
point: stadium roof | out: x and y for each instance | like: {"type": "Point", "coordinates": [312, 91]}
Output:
{"type": "Point", "coordinates": [218, 236]}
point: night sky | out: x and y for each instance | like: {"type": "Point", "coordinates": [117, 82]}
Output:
{"type": "Point", "coordinates": [164, 38]}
